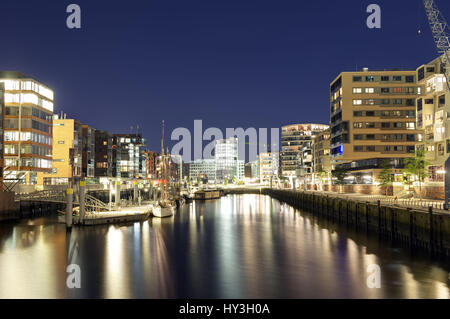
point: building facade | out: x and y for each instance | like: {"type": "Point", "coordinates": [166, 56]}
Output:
{"type": "Point", "coordinates": [203, 169]}
{"type": "Point", "coordinates": [88, 151]}
{"type": "Point", "coordinates": [103, 154]}
{"type": "Point", "coordinates": [27, 126]}
{"type": "Point", "coordinates": [268, 166]}
{"type": "Point", "coordinates": [67, 153]}
{"type": "Point", "coordinates": [151, 164]}
{"type": "Point", "coordinates": [321, 158]}
{"type": "Point", "coordinates": [228, 166]}
{"type": "Point", "coordinates": [433, 115]}
{"type": "Point", "coordinates": [251, 170]}
{"type": "Point", "coordinates": [128, 157]}
{"type": "Point", "coordinates": [296, 141]}
{"type": "Point", "coordinates": [373, 121]}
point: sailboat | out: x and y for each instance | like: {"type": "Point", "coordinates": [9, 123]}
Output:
{"type": "Point", "coordinates": [164, 207]}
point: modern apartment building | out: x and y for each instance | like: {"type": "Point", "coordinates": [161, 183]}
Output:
{"type": "Point", "coordinates": [88, 151]}
{"type": "Point", "coordinates": [296, 143]}
{"type": "Point", "coordinates": [321, 158]}
{"type": "Point", "coordinates": [150, 161]}
{"type": "Point", "coordinates": [373, 121]}
{"type": "Point", "coordinates": [251, 170]}
{"type": "Point", "coordinates": [433, 114]}
{"type": "Point", "coordinates": [103, 154]}
{"type": "Point", "coordinates": [67, 153]}
{"type": "Point", "coordinates": [27, 127]}
{"type": "Point", "coordinates": [128, 157]}
{"type": "Point", "coordinates": [203, 169]}
{"type": "Point", "coordinates": [269, 166]}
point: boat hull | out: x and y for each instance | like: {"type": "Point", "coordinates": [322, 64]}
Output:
{"type": "Point", "coordinates": [162, 212]}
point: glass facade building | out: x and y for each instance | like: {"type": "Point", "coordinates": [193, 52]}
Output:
{"type": "Point", "coordinates": [128, 156]}
{"type": "Point", "coordinates": [228, 166]}
{"type": "Point", "coordinates": [27, 126]}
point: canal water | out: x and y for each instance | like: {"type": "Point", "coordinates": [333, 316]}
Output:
{"type": "Point", "coordinates": [239, 246]}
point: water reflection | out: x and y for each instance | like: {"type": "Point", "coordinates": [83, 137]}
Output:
{"type": "Point", "coordinates": [246, 246]}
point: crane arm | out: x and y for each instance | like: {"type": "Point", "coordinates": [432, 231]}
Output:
{"type": "Point", "coordinates": [441, 35]}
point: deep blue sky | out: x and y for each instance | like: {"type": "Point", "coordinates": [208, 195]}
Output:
{"type": "Point", "coordinates": [232, 63]}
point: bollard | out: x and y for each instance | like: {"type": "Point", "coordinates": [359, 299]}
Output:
{"type": "Point", "coordinates": [117, 195]}
{"type": "Point", "coordinates": [82, 200]}
{"type": "Point", "coordinates": [69, 208]}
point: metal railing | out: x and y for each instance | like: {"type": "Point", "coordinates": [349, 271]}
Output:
{"type": "Point", "coordinates": [91, 203]}
{"type": "Point", "coordinates": [406, 202]}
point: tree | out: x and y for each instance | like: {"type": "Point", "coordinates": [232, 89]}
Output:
{"type": "Point", "coordinates": [416, 166]}
{"type": "Point", "coordinates": [322, 175]}
{"type": "Point", "coordinates": [339, 173]}
{"type": "Point", "coordinates": [386, 176]}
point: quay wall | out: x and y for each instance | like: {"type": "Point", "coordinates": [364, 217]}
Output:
{"type": "Point", "coordinates": [8, 208]}
{"type": "Point", "coordinates": [414, 228]}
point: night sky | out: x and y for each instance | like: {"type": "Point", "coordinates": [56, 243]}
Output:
{"type": "Point", "coordinates": [233, 63]}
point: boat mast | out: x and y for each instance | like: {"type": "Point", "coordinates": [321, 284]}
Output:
{"type": "Point", "coordinates": [163, 167]}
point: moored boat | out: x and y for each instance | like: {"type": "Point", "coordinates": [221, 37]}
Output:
{"type": "Point", "coordinates": [164, 208]}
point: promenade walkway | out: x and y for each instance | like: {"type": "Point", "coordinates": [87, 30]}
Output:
{"type": "Point", "coordinates": [405, 202]}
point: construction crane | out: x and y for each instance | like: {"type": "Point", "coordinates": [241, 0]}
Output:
{"type": "Point", "coordinates": [441, 35]}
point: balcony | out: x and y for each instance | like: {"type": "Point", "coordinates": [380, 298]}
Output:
{"type": "Point", "coordinates": [435, 84]}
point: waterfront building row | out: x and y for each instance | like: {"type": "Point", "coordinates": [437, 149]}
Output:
{"type": "Point", "coordinates": [41, 148]}
{"type": "Point", "coordinates": [378, 118]}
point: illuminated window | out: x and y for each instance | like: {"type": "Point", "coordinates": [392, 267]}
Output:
{"type": "Point", "coordinates": [410, 125]}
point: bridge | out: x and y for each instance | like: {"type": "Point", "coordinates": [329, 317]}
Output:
{"type": "Point", "coordinates": [59, 197]}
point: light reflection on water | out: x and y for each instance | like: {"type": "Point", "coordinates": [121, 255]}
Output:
{"type": "Point", "coordinates": [240, 246]}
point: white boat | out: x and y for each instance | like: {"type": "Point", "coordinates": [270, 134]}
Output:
{"type": "Point", "coordinates": [161, 211]}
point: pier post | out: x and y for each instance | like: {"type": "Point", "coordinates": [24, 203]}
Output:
{"type": "Point", "coordinates": [139, 197]}
{"type": "Point", "coordinates": [367, 217]}
{"type": "Point", "coordinates": [430, 211]}
{"type": "Point", "coordinates": [82, 199]}
{"type": "Point", "coordinates": [69, 208]}
{"type": "Point", "coordinates": [379, 217]}
{"type": "Point", "coordinates": [411, 228]}
{"type": "Point", "coordinates": [110, 195]}
{"type": "Point", "coordinates": [117, 194]}
{"type": "Point", "coordinates": [135, 191]}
